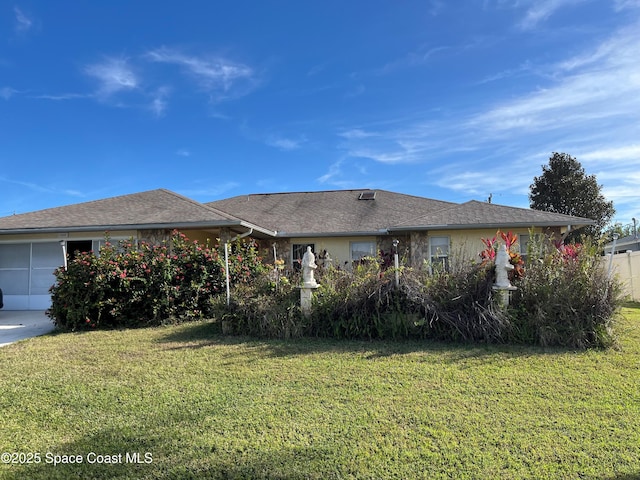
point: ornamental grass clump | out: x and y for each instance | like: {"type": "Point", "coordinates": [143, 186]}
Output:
{"type": "Point", "coordinates": [362, 303]}
{"type": "Point", "coordinates": [263, 309]}
{"type": "Point", "coordinates": [566, 298]}
{"type": "Point", "coordinates": [456, 305]}
{"type": "Point", "coordinates": [459, 305]}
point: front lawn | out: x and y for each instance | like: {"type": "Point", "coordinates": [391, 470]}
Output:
{"type": "Point", "coordinates": [195, 404]}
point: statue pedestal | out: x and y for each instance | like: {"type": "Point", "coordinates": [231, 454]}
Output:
{"type": "Point", "coordinates": [306, 295]}
{"type": "Point", "coordinates": [504, 294]}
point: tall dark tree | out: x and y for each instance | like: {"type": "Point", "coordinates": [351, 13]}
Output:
{"type": "Point", "coordinates": [564, 187]}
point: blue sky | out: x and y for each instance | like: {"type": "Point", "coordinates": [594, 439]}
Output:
{"type": "Point", "coordinates": [442, 99]}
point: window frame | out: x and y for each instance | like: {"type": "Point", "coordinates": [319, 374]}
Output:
{"type": "Point", "coordinates": [296, 263]}
{"type": "Point", "coordinates": [439, 261]}
{"type": "Point", "coordinates": [371, 251]}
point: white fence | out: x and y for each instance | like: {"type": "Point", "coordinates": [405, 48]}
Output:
{"type": "Point", "coordinates": [626, 266]}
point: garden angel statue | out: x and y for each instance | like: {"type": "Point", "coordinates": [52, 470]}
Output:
{"type": "Point", "coordinates": [308, 268]}
{"type": "Point", "coordinates": [503, 267]}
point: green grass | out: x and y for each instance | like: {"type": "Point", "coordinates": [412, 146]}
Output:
{"type": "Point", "coordinates": [208, 406]}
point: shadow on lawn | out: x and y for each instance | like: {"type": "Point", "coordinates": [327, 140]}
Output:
{"type": "Point", "coordinates": [208, 334]}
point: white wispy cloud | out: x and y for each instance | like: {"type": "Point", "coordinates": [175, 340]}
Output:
{"type": "Point", "coordinates": [489, 178]}
{"type": "Point", "coordinates": [284, 143]}
{"type": "Point", "coordinates": [159, 101]}
{"type": "Point", "coordinates": [620, 5]}
{"type": "Point", "coordinates": [7, 92]}
{"type": "Point", "coordinates": [541, 10]}
{"type": "Point", "coordinates": [628, 153]}
{"type": "Point", "coordinates": [36, 187]}
{"type": "Point", "coordinates": [220, 77]}
{"type": "Point", "coordinates": [23, 23]}
{"type": "Point", "coordinates": [599, 84]}
{"type": "Point", "coordinates": [413, 59]}
{"type": "Point", "coordinates": [403, 143]}
{"type": "Point", "coordinates": [183, 152]}
{"type": "Point", "coordinates": [334, 173]}
{"type": "Point", "coordinates": [587, 105]}
{"type": "Point", "coordinates": [356, 133]}
{"type": "Point", "coordinates": [113, 75]}
{"type": "Point", "coordinates": [62, 96]}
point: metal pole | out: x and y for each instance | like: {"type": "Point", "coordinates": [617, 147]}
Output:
{"type": "Point", "coordinates": [63, 244]}
{"type": "Point", "coordinates": [226, 269]}
{"type": "Point", "coordinates": [396, 263]}
{"type": "Point", "coordinates": [613, 251]}
{"type": "Point", "coordinates": [633, 296]}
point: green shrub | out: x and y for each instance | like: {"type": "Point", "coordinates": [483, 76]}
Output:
{"type": "Point", "coordinates": [135, 285]}
{"type": "Point", "coordinates": [263, 309]}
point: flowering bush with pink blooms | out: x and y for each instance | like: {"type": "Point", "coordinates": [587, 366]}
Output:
{"type": "Point", "coordinates": [142, 284]}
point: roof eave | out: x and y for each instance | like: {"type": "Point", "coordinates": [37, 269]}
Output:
{"type": "Point", "coordinates": [362, 233]}
{"type": "Point", "coordinates": [137, 226]}
{"type": "Point", "coordinates": [476, 226]}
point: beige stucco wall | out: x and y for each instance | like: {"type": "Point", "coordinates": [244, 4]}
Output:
{"type": "Point", "coordinates": [338, 247]}
{"type": "Point", "coordinates": [465, 245]}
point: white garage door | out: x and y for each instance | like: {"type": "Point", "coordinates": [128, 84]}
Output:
{"type": "Point", "coordinates": [26, 274]}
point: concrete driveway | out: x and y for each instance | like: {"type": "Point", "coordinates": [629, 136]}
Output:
{"type": "Point", "coordinates": [18, 325]}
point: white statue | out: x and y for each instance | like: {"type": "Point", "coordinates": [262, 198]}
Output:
{"type": "Point", "coordinates": [503, 267]}
{"type": "Point", "coordinates": [328, 261]}
{"type": "Point", "coordinates": [308, 267]}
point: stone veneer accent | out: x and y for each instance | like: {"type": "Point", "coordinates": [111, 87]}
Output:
{"type": "Point", "coordinates": [419, 249]}
{"type": "Point", "coordinates": [283, 250]}
{"type": "Point", "coordinates": [385, 243]}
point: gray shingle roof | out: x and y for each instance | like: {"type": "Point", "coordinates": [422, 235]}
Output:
{"type": "Point", "coordinates": [337, 212]}
{"type": "Point", "coordinates": [328, 212]}
{"type": "Point", "coordinates": [154, 207]}
{"type": "Point", "coordinates": [481, 214]}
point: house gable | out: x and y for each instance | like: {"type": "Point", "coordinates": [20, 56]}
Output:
{"type": "Point", "coordinates": [151, 209]}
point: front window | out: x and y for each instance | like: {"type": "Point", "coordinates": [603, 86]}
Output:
{"type": "Point", "coordinates": [528, 242]}
{"type": "Point", "coordinates": [360, 250]}
{"type": "Point", "coordinates": [297, 252]}
{"type": "Point", "coordinates": [439, 253]}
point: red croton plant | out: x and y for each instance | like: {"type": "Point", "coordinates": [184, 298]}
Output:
{"type": "Point", "coordinates": [488, 255]}
{"type": "Point", "coordinates": [568, 252]}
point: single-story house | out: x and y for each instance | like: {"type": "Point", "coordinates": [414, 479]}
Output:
{"type": "Point", "coordinates": [344, 225]}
